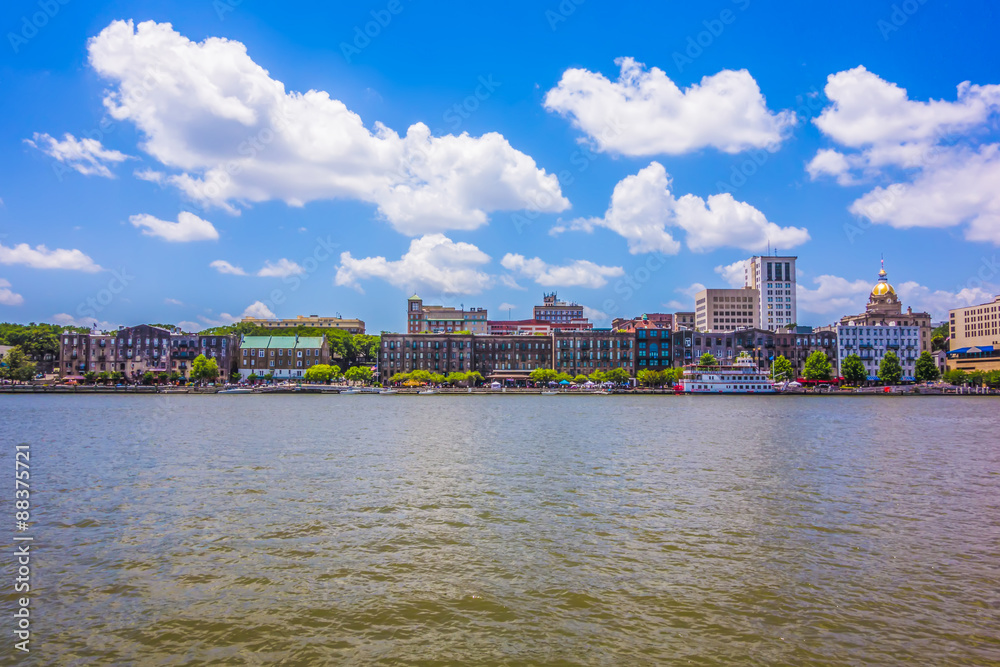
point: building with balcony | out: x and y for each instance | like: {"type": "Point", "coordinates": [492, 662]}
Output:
{"type": "Point", "coordinates": [583, 352]}
{"type": "Point", "coordinates": [421, 318]}
{"type": "Point", "coordinates": [284, 357]}
{"type": "Point", "coordinates": [312, 321]}
{"type": "Point", "coordinates": [185, 348]}
{"type": "Point", "coordinates": [975, 337]}
{"type": "Point", "coordinates": [532, 327]}
{"type": "Point", "coordinates": [884, 326]}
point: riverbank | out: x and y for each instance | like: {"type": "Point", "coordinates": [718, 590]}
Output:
{"type": "Point", "coordinates": [512, 391]}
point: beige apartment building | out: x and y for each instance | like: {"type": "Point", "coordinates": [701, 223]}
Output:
{"type": "Point", "coordinates": [315, 321]}
{"type": "Point", "coordinates": [975, 337]}
{"type": "Point", "coordinates": [727, 309]}
{"type": "Point", "coordinates": [424, 318]}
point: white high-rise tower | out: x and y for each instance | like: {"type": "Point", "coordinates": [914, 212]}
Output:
{"type": "Point", "coordinates": [774, 280]}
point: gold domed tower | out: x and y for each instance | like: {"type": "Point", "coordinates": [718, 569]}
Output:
{"type": "Point", "coordinates": [883, 294]}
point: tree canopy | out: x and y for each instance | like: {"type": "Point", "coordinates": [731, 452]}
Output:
{"type": "Point", "coordinates": [782, 370]}
{"type": "Point", "coordinates": [854, 370]}
{"type": "Point", "coordinates": [16, 366]}
{"type": "Point", "coordinates": [817, 367]}
{"type": "Point", "coordinates": [204, 369]}
{"type": "Point", "coordinates": [926, 370]}
{"type": "Point", "coordinates": [708, 359]}
{"type": "Point", "coordinates": [889, 370]}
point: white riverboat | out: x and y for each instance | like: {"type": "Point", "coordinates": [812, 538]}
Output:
{"type": "Point", "coordinates": [740, 377]}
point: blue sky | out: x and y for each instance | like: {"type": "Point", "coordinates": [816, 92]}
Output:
{"type": "Point", "coordinates": [232, 157]}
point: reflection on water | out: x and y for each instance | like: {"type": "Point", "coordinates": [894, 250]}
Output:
{"type": "Point", "coordinates": [513, 529]}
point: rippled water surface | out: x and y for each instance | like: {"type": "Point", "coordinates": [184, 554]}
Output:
{"type": "Point", "coordinates": [511, 529]}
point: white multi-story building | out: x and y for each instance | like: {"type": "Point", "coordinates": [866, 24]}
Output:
{"type": "Point", "coordinates": [871, 342]}
{"type": "Point", "coordinates": [774, 279]}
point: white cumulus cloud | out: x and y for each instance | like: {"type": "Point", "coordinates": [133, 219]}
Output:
{"type": "Point", "coordinates": [578, 273]}
{"type": "Point", "coordinates": [645, 113]}
{"type": "Point", "coordinates": [280, 269]}
{"type": "Point", "coordinates": [188, 227]}
{"type": "Point", "coordinates": [260, 310]}
{"type": "Point", "coordinates": [222, 266]}
{"type": "Point", "coordinates": [41, 257]}
{"type": "Point", "coordinates": [86, 156]}
{"type": "Point", "coordinates": [931, 157]}
{"type": "Point", "coordinates": [734, 274]}
{"type": "Point", "coordinates": [433, 262]}
{"type": "Point", "coordinates": [67, 320]}
{"type": "Point", "coordinates": [643, 209]}
{"type": "Point", "coordinates": [232, 135]}
{"type": "Point", "coordinates": [9, 297]}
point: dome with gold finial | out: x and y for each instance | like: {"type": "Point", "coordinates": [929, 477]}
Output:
{"type": "Point", "coordinates": [882, 287]}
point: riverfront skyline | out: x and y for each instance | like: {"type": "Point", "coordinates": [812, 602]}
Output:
{"type": "Point", "coordinates": [192, 162]}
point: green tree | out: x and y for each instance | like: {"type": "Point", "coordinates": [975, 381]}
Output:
{"type": "Point", "coordinates": [672, 375]}
{"type": "Point", "coordinates": [204, 369]}
{"type": "Point", "coordinates": [174, 376]}
{"type": "Point", "coordinates": [708, 359]}
{"type": "Point", "coordinates": [650, 378]}
{"type": "Point", "coordinates": [103, 377]}
{"type": "Point", "coordinates": [564, 376]}
{"type": "Point", "coordinates": [926, 370]}
{"type": "Point", "coordinates": [253, 377]}
{"type": "Point", "coordinates": [399, 378]}
{"type": "Point", "coordinates": [361, 374]}
{"type": "Point", "coordinates": [474, 378]}
{"type": "Point", "coordinates": [854, 370]}
{"type": "Point", "coordinates": [235, 376]}
{"type": "Point", "coordinates": [318, 373]}
{"type": "Point", "coordinates": [542, 375]}
{"type": "Point", "coordinates": [117, 377]}
{"type": "Point", "coordinates": [598, 377]}
{"type": "Point", "coordinates": [889, 370]}
{"type": "Point", "coordinates": [437, 378]}
{"type": "Point", "coordinates": [90, 377]}
{"type": "Point", "coordinates": [618, 376]}
{"type": "Point", "coordinates": [817, 367]}
{"type": "Point", "coordinates": [956, 377]}
{"type": "Point", "coordinates": [782, 370]}
{"type": "Point", "coordinates": [977, 378]}
{"type": "Point", "coordinates": [455, 378]}
{"type": "Point", "coordinates": [148, 377]}
{"type": "Point", "coordinates": [16, 366]}
{"type": "Point", "coordinates": [580, 379]}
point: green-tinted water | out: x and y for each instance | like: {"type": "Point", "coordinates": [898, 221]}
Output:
{"type": "Point", "coordinates": [511, 529]}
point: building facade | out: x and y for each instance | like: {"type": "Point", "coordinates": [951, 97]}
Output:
{"type": "Point", "coordinates": [726, 309]}
{"type": "Point", "coordinates": [871, 342]}
{"type": "Point", "coordinates": [284, 357]}
{"type": "Point", "coordinates": [884, 309]}
{"type": "Point", "coordinates": [132, 351]}
{"type": "Point", "coordinates": [185, 348]}
{"type": "Point", "coordinates": [532, 327]}
{"type": "Point", "coordinates": [975, 337]}
{"type": "Point", "coordinates": [314, 321]}
{"type": "Point", "coordinates": [506, 357]}
{"type": "Point", "coordinates": [422, 318]}
{"type": "Point", "coordinates": [684, 320]}
{"type": "Point", "coordinates": [774, 279]}
{"type": "Point", "coordinates": [583, 352]}
{"type": "Point", "coordinates": [558, 312]}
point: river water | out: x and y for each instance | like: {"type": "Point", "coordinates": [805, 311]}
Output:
{"type": "Point", "coordinates": [424, 530]}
